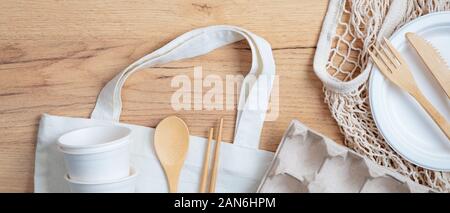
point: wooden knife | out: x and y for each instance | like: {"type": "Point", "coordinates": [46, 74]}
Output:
{"type": "Point", "coordinates": [432, 59]}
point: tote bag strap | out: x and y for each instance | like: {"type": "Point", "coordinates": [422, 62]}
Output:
{"type": "Point", "coordinates": [255, 91]}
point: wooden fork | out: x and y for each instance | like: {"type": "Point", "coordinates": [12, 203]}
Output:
{"type": "Point", "coordinates": [394, 67]}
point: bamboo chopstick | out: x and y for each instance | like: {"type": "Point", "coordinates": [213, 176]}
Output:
{"type": "Point", "coordinates": [206, 162]}
{"type": "Point", "coordinates": [212, 184]}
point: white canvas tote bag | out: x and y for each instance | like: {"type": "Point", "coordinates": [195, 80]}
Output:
{"type": "Point", "coordinates": [242, 164]}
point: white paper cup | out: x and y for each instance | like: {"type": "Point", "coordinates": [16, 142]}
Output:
{"type": "Point", "coordinates": [96, 153]}
{"type": "Point", "coordinates": [124, 185]}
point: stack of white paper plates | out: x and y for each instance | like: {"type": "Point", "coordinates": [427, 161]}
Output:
{"type": "Point", "coordinates": [401, 120]}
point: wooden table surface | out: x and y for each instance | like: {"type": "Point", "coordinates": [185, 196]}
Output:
{"type": "Point", "coordinates": [55, 56]}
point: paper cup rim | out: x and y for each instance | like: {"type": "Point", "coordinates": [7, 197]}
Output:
{"type": "Point", "coordinates": [133, 174]}
{"type": "Point", "coordinates": [92, 148]}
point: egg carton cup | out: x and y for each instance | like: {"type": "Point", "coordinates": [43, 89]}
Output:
{"type": "Point", "coordinates": [307, 161]}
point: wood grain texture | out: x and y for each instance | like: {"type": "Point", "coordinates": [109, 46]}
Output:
{"type": "Point", "coordinates": [55, 56]}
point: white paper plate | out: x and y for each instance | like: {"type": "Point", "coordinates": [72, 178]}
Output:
{"type": "Point", "coordinates": [401, 120]}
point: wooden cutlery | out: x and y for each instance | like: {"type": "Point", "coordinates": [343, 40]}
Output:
{"type": "Point", "coordinates": [394, 67]}
{"type": "Point", "coordinates": [212, 183]}
{"type": "Point", "coordinates": [204, 178]}
{"type": "Point", "coordinates": [171, 145]}
{"type": "Point", "coordinates": [432, 59]}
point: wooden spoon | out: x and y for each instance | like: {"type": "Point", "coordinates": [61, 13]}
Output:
{"type": "Point", "coordinates": [171, 145]}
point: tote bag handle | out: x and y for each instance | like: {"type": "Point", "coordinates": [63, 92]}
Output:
{"type": "Point", "coordinates": [255, 90]}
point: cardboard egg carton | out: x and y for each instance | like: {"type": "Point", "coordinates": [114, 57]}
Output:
{"type": "Point", "coordinates": [307, 161]}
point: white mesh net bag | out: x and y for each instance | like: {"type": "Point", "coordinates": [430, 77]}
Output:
{"type": "Point", "coordinates": [341, 62]}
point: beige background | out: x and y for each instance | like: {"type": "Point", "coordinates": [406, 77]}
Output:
{"type": "Point", "coordinates": [55, 56]}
